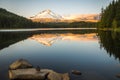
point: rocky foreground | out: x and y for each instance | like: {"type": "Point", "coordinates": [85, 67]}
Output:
{"type": "Point", "coordinates": [23, 70]}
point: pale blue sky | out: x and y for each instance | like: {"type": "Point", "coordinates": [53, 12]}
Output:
{"type": "Point", "coordinates": [29, 8]}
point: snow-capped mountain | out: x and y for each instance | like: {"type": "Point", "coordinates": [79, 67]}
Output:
{"type": "Point", "coordinates": [47, 14]}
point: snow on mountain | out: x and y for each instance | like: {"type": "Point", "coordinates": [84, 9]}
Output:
{"type": "Point", "coordinates": [47, 14]}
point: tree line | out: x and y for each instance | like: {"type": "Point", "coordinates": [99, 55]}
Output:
{"type": "Point", "coordinates": [110, 16]}
{"type": "Point", "coordinates": [11, 20]}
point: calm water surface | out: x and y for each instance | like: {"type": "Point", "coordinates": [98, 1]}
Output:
{"type": "Point", "coordinates": [95, 54]}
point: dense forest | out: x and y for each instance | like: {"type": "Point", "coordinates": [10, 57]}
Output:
{"type": "Point", "coordinates": [110, 16]}
{"type": "Point", "coordinates": [11, 20]}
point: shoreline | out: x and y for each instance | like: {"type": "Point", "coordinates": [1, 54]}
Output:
{"type": "Point", "coordinates": [48, 29]}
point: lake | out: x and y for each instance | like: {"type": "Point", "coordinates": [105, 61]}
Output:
{"type": "Point", "coordinates": [95, 53]}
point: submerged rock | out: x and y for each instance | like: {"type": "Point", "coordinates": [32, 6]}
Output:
{"type": "Point", "coordinates": [20, 64]}
{"type": "Point", "coordinates": [118, 75]}
{"type": "Point", "coordinates": [38, 68]}
{"type": "Point", "coordinates": [76, 72]}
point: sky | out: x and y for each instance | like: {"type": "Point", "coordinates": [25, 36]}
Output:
{"type": "Point", "coordinates": [29, 8]}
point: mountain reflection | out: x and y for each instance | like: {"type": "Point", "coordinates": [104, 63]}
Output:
{"type": "Point", "coordinates": [110, 41]}
{"type": "Point", "coordinates": [9, 38]}
{"type": "Point", "coordinates": [49, 39]}
{"type": "Point", "coordinates": [46, 39]}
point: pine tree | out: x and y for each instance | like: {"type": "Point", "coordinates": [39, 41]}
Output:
{"type": "Point", "coordinates": [110, 17]}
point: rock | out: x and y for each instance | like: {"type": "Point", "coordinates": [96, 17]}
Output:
{"type": "Point", "coordinates": [76, 72]}
{"type": "Point", "coordinates": [22, 69]}
{"type": "Point", "coordinates": [20, 64]}
{"type": "Point", "coordinates": [31, 74]}
{"type": "Point", "coordinates": [65, 76]}
{"type": "Point", "coordinates": [118, 75]}
{"type": "Point", "coordinates": [58, 76]}
{"type": "Point", "coordinates": [52, 75]}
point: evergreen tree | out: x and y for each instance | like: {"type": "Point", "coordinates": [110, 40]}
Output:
{"type": "Point", "coordinates": [110, 16]}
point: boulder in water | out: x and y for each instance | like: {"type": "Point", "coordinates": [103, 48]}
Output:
{"type": "Point", "coordinates": [20, 64]}
{"type": "Point", "coordinates": [76, 72]}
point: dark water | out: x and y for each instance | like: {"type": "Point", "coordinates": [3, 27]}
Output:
{"type": "Point", "coordinates": [95, 54]}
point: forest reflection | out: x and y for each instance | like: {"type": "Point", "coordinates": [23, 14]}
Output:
{"type": "Point", "coordinates": [110, 41]}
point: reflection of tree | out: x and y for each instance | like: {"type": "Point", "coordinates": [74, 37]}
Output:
{"type": "Point", "coordinates": [110, 41]}
{"type": "Point", "coordinates": [8, 38]}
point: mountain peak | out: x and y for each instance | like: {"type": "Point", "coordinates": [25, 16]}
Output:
{"type": "Point", "coordinates": [47, 10]}
{"type": "Point", "coordinates": [47, 14]}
